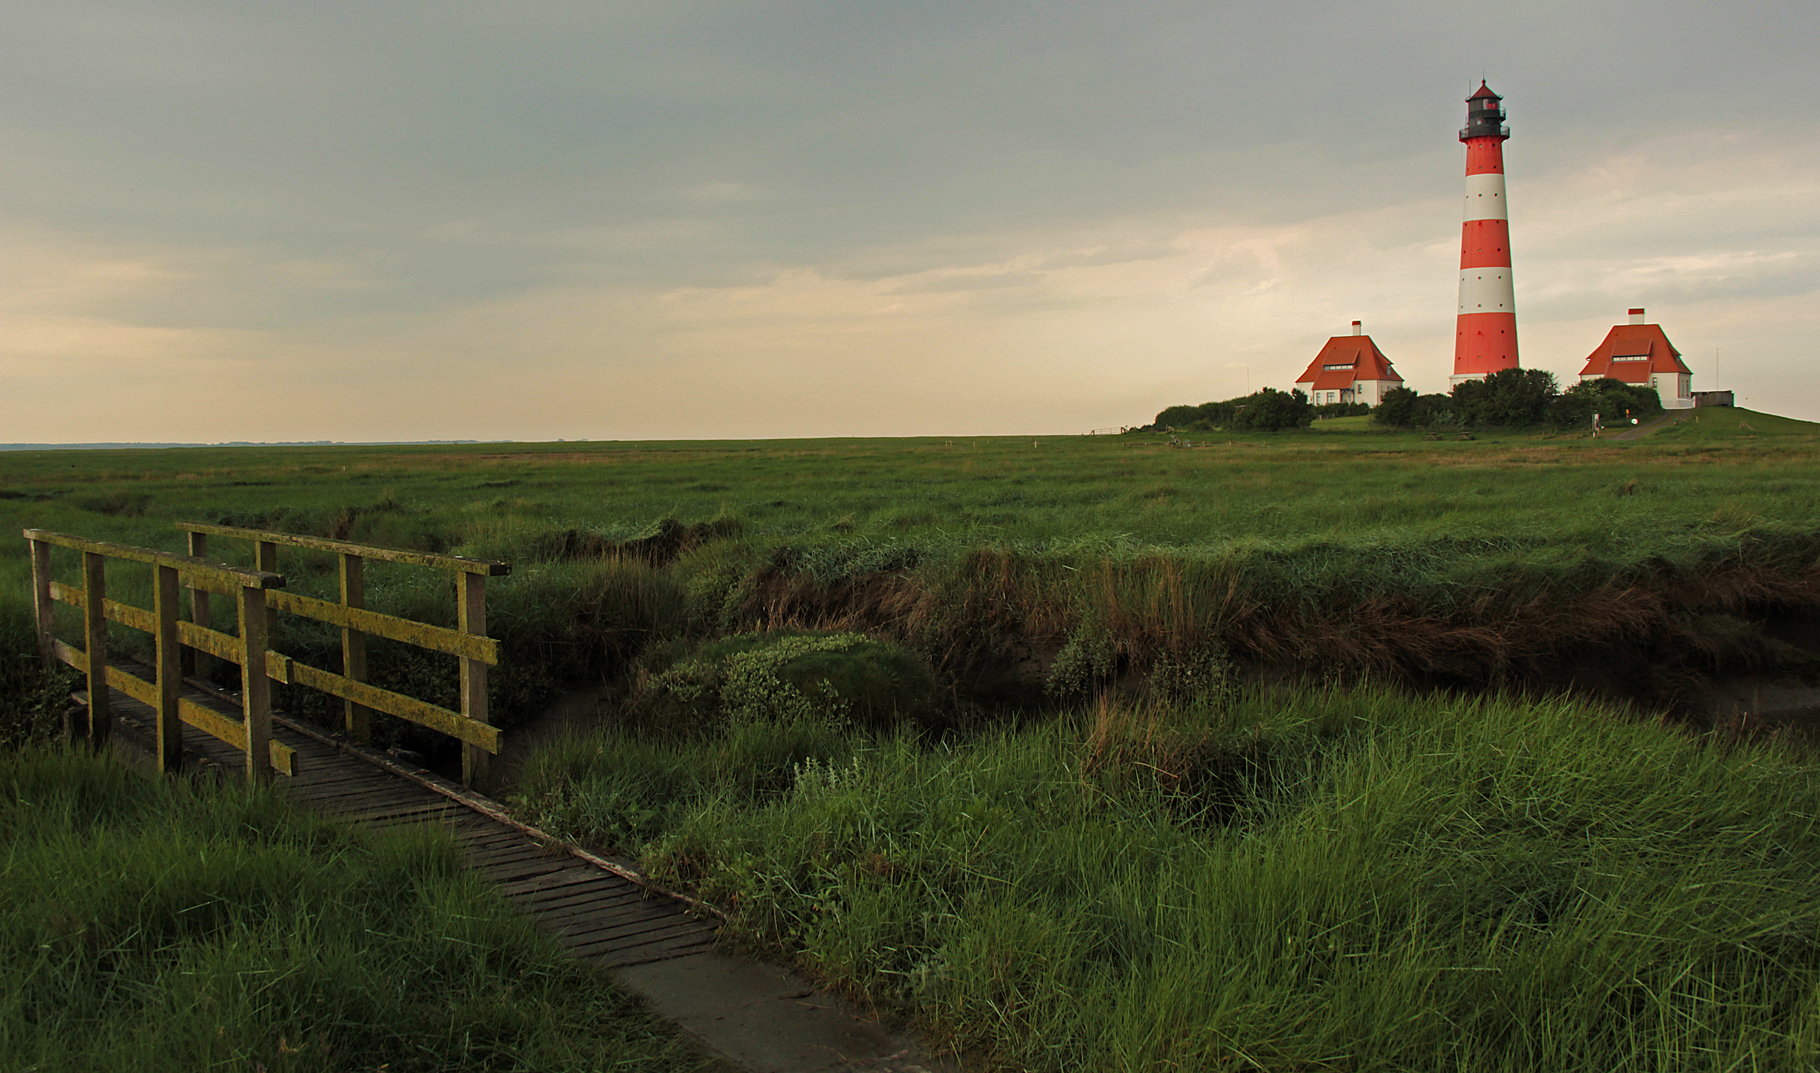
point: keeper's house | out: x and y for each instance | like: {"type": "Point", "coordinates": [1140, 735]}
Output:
{"type": "Point", "coordinates": [1639, 353]}
{"type": "Point", "coordinates": [1350, 368]}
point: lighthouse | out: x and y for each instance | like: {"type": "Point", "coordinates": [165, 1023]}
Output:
{"type": "Point", "coordinates": [1485, 336]}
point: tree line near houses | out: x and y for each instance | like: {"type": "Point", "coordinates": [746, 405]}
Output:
{"type": "Point", "coordinates": [1511, 398]}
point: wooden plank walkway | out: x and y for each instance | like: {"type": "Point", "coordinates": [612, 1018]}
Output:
{"type": "Point", "coordinates": [597, 910]}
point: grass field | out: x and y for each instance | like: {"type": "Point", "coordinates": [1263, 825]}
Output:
{"type": "Point", "coordinates": [152, 925]}
{"type": "Point", "coordinates": [1381, 552]}
{"type": "Point", "coordinates": [1181, 810]}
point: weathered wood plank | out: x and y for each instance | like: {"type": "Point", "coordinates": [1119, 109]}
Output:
{"type": "Point", "coordinates": [384, 700]}
{"type": "Point", "coordinates": [329, 774]}
{"type": "Point", "coordinates": [226, 646]}
{"type": "Point", "coordinates": [509, 857]}
{"type": "Point", "coordinates": [357, 719]}
{"type": "Point", "coordinates": [602, 906]}
{"type": "Point", "coordinates": [342, 798]}
{"type": "Point", "coordinates": [646, 931]}
{"type": "Point", "coordinates": [255, 688]}
{"type": "Point", "coordinates": [132, 685]}
{"type": "Point", "coordinates": [391, 627]}
{"type": "Point", "coordinates": [572, 873]}
{"type": "Point", "coordinates": [94, 643]}
{"type": "Point", "coordinates": [661, 951]}
{"type": "Point", "coordinates": [555, 904]}
{"type": "Point", "coordinates": [610, 886]}
{"type": "Point", "coordinates": [418, 811]}
{"type": "Point", "coordinates": [502, 873]}
{"type": "Point", "coordinates": [167, 655]}
{"type": "Point", "coordinates": [282, 758]}
{"type": "Point", "coordinates": [510, 848]}
{"type": "Point", "coordinates": [221, 572]}
{"type": "Point", "coordinates": [607, 915]}
{"type": "Point", "coordinates": [627, 935]}
{"type": "Point", "coordinates": [441, 562]}
{"type": "Point", "coordinates": [43, 606]}
{"type": "Point", "coordinates": [471, 602]}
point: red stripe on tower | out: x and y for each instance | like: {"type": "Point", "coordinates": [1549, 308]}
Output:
{"type": "Point", "coordinates": [1485, 337]}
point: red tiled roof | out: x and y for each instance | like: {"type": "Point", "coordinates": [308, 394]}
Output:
{"type": "Point", "coordinates": [1361, 358]}
{"type": "Point", "coordinates": [1484, 91]}
{"type": "Point", "coordinates": [1645, 341]}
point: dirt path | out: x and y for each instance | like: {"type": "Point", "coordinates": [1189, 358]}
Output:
{"type": "Point", "coordinates": [1673, 417]}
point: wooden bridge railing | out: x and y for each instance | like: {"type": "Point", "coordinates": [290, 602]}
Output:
{"type": "Point", "coordinates": [252, 733]}
{"type": "Point", "coordinates": [468, 641]}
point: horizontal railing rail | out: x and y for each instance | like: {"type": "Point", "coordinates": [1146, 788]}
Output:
{"type": "Point", "coordinates": [467, 641]}
{"type": "Point", "coordinates": [252, 733]}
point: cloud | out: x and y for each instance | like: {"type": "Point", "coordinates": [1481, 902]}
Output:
{"type": "Point", "coordinates": [952, 282]}
{"type": "Point", "coordinates": [719, 193]}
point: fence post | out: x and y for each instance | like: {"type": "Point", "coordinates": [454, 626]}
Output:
{"type": "Point", "coordinates": [165, 596]}
{"type": "Point", "coordinates": [356, 717]}
{"type": "Point", "coordinates": [472, 597]}
{"type": "Point", "coordinates": [266, 559]}
{"type": "Point", "coordinates": [199, 600]}
{"type": "Point", "coordinates": [94, 640]}
{"type": "Point", "coordinates": [43, 609]}
{"type": "Point", "coordinates": [255, 687]}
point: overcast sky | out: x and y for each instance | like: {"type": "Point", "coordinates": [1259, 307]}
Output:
{"type": "Point", "coordinates": [357, 221]}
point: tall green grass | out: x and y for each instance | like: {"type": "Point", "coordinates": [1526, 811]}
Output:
{"type": "Point", "coordinates": [1346, 879]}
{"type": "Point", "coordinates": [157, 925]}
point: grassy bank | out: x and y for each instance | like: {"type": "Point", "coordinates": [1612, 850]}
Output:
{"type": "Point", "coordinates": [1347, 880]}
{"type": "Point", "coordinates": [154, 925]}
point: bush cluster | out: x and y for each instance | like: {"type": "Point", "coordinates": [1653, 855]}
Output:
{"type": "Point", "coordinates": [789, 676]}
{"type": "Point", "coordinates": [1518, 398]}
{"type": "Point", "coordinates": [1268, 410]}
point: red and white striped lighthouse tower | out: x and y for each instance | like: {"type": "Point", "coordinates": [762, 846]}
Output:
{"type": "Point", "coordinates": [1485, 339]}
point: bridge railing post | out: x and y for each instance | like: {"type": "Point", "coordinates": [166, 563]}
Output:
{"type": "Point", "coordinates": [200, 609]}
{"type": "Point", "coordinates": [473, 619]}
{"type": "Point", "coordinates": [94, 642]}
{"type": "Point", "coordinates": [168, 656]}
{"type": "Point", "coordinates": [266, 559]}
{"type": "Point", "coordinates": [357, 718]}
{"type": "Point", "coordinates": [255, 686]}
{"type": "Point", "coordinates": [43, 607]}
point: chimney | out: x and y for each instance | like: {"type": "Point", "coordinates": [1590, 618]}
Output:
{"type": "Point", "coordinates": [1357, 329]}
{"type": "Point", "coordinates": [1636, 316]}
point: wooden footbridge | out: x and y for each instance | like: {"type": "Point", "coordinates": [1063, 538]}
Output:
{"type": "Point", "coordinates": [175, 721]}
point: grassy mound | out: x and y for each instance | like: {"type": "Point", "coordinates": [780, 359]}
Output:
{"type": "Point", "coordinates": [1302, 880]}
{"type": "Point", "coordinates": [791, 676]}
{"type": "Point", "coordinates": [153, 925]}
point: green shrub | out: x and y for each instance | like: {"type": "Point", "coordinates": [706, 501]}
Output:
{"type": "Point", "coordinates": [788, 676]}
{"type": "Point", "coordinates": [1085, 664]}
{"type": "Point", "coordinates": [1613, 400]}
{"type": "Point", "coordinates": [1508, 398]}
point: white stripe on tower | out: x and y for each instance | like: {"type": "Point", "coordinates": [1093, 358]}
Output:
{"type": "Point", "coordinates": [1485, 197]}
